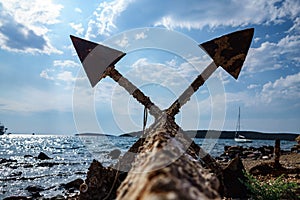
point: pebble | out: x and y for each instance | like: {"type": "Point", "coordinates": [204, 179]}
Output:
{"type": "Point", "coordinates": [264, 152]}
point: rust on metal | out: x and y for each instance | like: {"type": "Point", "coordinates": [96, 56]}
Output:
{"type": "Point", "coordinates": [230, 51]}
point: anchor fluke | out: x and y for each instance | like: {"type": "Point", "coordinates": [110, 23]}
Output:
{"type": "Point", "coordinates": [95, 58]}
{"type": "Point", "coordinates": [230, 51]}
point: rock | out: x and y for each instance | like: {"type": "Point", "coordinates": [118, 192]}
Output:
{"type": "Point", "coordinates": [226, 147]}
{"type": "Point", "coordinates": [233, 151]}
{"type": "Point", "coordinates": [4, 160]}
{"type": "Point", "coordinates": [35, 195]}
{"type": "Point", "coordinates": [233, 175]}
{"type": "Point", "coordinates": [73, 184]}
{"type": "Point", "coordinates": [257, 153]}
{"type": "Point", "coordinates": [58, 197]}
{"type": "Point", "coordinates": [14, 166]}
{"type": "Point", "coordinates": [247, 152]}
{"type": "Point", "coordinates": [47, 164]}
{"type": "Point", "coordinates": [28, 156]}
{"type": "Point", "coordinates": [269, 150]}
{"type": "Point", "coordinates": [43, 156]}
{"type": "Point", "coordinates": [235, 148]}
{"type": "Point", "coordinates": [28, 166]}
{"type": "Point", "coordinates": [252, 156]}
{"type": "Point", "coordinates": [296, 148]}
{"type": "Point", "coordinates": [34, 188]}
{"type": "Point", "coordinates": [298, 139]}
{"type": "Point", "coordinates": [262, 169]}
{"type": "Point", "coordinates": [114, 154]}
{"type": "Point", "coordinates": [100, 180]}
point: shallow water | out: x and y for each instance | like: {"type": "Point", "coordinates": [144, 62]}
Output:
{"type": "Point", "coordinates": [71, 157]}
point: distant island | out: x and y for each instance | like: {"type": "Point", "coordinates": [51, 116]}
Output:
{"type": "Point", "coordinates": [93, 134]}
{"type": "Point", "coordinates": [214, 134]}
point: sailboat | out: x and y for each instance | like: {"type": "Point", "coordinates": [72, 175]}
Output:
{"type": "Point", "coordinates": [238, 137]}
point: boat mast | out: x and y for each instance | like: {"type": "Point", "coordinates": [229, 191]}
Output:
{"type": "Point", "coordinates": [238, 124]}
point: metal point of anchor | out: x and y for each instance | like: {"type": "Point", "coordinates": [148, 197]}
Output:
{"type": "Point", "coordinates": [99, 61]}
{"type": "Point", "coordinates": [229, 52]}
{"type": "Point", "coordinates": [95, 58]}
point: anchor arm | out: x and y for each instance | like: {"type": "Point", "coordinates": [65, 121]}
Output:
{"type": "Point", "coordinates": [194, 86]}
{"type": "Point", "coordinates": [135, 92]}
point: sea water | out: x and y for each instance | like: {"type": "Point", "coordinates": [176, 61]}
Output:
{"type": "Point", "coordinates": [71, 157]}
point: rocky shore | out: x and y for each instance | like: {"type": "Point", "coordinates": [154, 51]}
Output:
{"type": "Point", "coordinates": [257, 161]}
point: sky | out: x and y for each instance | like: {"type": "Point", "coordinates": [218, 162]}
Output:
{"type": "Point", "coordinates": [45, 90]}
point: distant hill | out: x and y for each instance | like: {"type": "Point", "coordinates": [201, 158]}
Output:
{"type": "Point", "coordinates": [92, 134]}
{"type": "Point", "coordinates": [229, 135]}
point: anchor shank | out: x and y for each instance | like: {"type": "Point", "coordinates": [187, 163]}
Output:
{"type": "Point", "coordinates": [186, 95]}
{"type": "Point", "coordinates": [135, 92]}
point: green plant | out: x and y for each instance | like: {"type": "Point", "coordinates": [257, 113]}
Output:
{"type": "Point", "coordinates": [271, 190]}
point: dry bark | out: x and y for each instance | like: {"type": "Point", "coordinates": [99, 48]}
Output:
{"type": "Point", "coordinates": [167, 166]}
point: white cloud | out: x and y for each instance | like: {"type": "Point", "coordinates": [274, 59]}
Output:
{"type": "Point", "coordinates": [296, 26]}
{"type": "Point", "coordinates": [66, 76]}
{"type": "Point", "coordinates": [272, 96]}
{"type": "Point", "coordinates": [77, 27]}
{"type": "Point", "coordinates": [105, 16]}
{"type": "Point", "coordinates": [256, 39]}
{"type": "Point", "coordinates": [287, 88]}
{"type": "Point", "coordinates": [78, 10]}
{"type": "Point", "coordinates": [140, 36]}
{"type": "Point", "coordinates": [62, 72]}
{"type": "Point", "coordinates": [278, 99]}
{"type": "Point", "coordinates": [65, 63]}
{"type": "Point", "coordinates": [215, 13]}
{"type": "Point", "coordinates": [270, 55]}
{"type": "Point", "coordinates": [44, 74]}
{"type": "Point", "coordinates": [262, 58]}
{"type": "Point", "coordinates": [24, 25]}
{"type": "Point", "coordinates": [253, 86]}
{"type": "Point", "coordinates": [173, 77]}
{"type": "Point", "coordinates": [289, 44]}
{"type": "Point", "coordinates": [123, 42]}
{"type": "Point", "coordinates": [59, 77]}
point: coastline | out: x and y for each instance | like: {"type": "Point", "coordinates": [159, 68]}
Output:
{"type": "Point", "coordinates": [218, 134]}
{"type": "Point", "coordinates": [250, 159]}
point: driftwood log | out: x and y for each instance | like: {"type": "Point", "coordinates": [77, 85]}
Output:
{"type": "Point", "coordinates": [168, 166]}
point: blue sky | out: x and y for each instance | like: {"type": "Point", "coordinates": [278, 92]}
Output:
{"type": "Point", "coordinates": [44, 90]}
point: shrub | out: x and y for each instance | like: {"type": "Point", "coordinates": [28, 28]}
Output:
{"type": "Point", "coordinates": [272, 190]}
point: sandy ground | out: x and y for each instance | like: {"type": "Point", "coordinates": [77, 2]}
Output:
{"type": "Point", "coordinates": [290, 163]}
{"type": "Point", "coordinates": [291, 160]}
